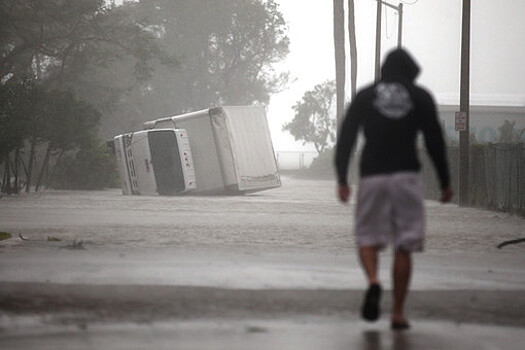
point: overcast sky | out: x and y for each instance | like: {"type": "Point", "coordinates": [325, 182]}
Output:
{"type": "Point", "coordinates": [431, 31]}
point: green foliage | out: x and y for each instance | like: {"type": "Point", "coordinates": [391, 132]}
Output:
{"type": "Point", "coordinates": [146, 58]}
{"type": "Point", "coordinates": [15, 103]}
{"type": "Point", "coordinates": [57, 40]}
{"type": "Point", "coordinates": [31, 116]}
{"type": "Point", "coordinates": [241, 52]}
{"type": "Point", "coordinates": [91, 168]}
{"type": "Point", "coordinates": [17, 122]}
{"type": "Point", "coordinates": [70, 122]}
{"type": "Point", "coordinates": [508, 132]}
{"type": "Point", "coordinates": [91, 47]}
{"type": "Point", "coordinates": [5, 235]}
{"type": "Point", "coordinates": [314, 120]}
{"type": "Point", "coordinates": [225, 51]}
{"type": "Point", "coordinates": [134, 61]}
{"type": "Point", "coordinates": [324, 163]}
{"type": "Point", "coordinates": [29, 112]}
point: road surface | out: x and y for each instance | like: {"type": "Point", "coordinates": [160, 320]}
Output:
{"type": "Point", "coordinates": [274, 269]}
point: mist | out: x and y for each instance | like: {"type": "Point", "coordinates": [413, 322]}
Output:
{"type": "Point", "coordinates": [151, 199]}
{"type": "Point", "coordinates": [431, 32]}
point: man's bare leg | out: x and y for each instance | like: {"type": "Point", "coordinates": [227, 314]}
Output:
{"type": "Point", "coordinates": [369, 261]}
{"type": "Point", "coordinates": [402, 271]}
{"type": "Point", "coordinates": [370, 309]}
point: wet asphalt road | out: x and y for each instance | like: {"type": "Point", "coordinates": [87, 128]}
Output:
{"type": "Point", "coordinates": [275, 269]}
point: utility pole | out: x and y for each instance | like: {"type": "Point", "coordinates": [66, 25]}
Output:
{"type": "Point", "coordinates": [400, 25]}
{"type": "Point", "coordinates": [339, 46]}
{"type": "Point", "coordinates": [464, 103]}
{"type": "Point", "coordinates": [399, 10]}
{"type": "Point", "coordinates": [378, 40]}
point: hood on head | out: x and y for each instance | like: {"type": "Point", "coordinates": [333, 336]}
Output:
{"type": "Point", "coordinates": [399, 65]}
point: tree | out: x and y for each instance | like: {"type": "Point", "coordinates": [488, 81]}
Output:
{"type": "Point", "coordinates": [70, 123]}
{"type": "Point", "coordinates": [31, 116]}
{"type": "Point", "coordinates": [226, 51]}
{"type": "Point", "coordinates": [91, 168]}
{"type": "Point", "coordinates": [56, 38]}
{"type": "Point", "coordinates": [241, 54]}
{"type": "Point", "coordinates": [61, 47]}
{"type": "Point", "coordinates": [65, 44]}
{"type": "Point", "coordinates": [15, 101]}
{"type": "Point", "coordinates": [124, 60]}
{"type": "Point", "coordinates": [508, 132]}
{"type": "Point", "coordinates": [314, 119]}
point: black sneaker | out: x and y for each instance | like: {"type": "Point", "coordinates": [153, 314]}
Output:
{"type": "Point", "coordinates": [370, 310]}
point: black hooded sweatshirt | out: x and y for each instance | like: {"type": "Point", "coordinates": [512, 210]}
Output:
{"type": "Point", "coordinates": [391, 112]}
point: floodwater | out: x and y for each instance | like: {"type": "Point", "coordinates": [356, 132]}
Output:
{"type": "Point", "coordinates": [264, 335]}
{"type": "Point", "coordinates": [274, 267]}
{"type": "Point", "coordinates": [302, 214]}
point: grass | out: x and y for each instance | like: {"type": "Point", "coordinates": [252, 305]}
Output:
{"type": "Point", "coordinates": [5, 235]}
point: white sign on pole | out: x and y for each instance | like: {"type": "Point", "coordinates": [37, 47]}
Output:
{"type": "Point", "coordinates": [461, 121]}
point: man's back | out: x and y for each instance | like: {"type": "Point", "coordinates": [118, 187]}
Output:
{"type": "Point", "coordinates": [391, 113]}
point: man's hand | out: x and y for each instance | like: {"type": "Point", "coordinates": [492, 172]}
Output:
{"type": "Point", "coordinates": [343, 192]}
{"type": "Point", "coordinates": [446, 195]}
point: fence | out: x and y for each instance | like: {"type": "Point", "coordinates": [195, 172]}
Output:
{"type": "Point", "coordinates": [295, 160]}
{"type": "Point", "coordinates": [496, 176]}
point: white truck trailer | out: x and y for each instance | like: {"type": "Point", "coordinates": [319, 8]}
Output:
{"type": "Point", "coordinates": [230, 152]}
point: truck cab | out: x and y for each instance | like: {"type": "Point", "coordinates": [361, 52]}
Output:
{"type": "Point", "coordinates": [155, 162]}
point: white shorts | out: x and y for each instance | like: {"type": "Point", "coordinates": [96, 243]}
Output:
{"type": "Point", "coordinates": [390, 209]}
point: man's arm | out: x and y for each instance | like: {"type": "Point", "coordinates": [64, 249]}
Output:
{"type": "Point", "coordinates": [345, 143]}
{"type": "Point", "coordinates": [346, 139]}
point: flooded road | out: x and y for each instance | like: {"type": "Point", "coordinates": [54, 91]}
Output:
{"type": "Point", "coordinates": [285, 257]}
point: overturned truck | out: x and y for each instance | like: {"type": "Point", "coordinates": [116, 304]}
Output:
{"type": "Point", "coordinates": [222, 150]}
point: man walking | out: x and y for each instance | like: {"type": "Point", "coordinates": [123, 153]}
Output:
{"type": "Point", "coordinates": [389, 207]}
